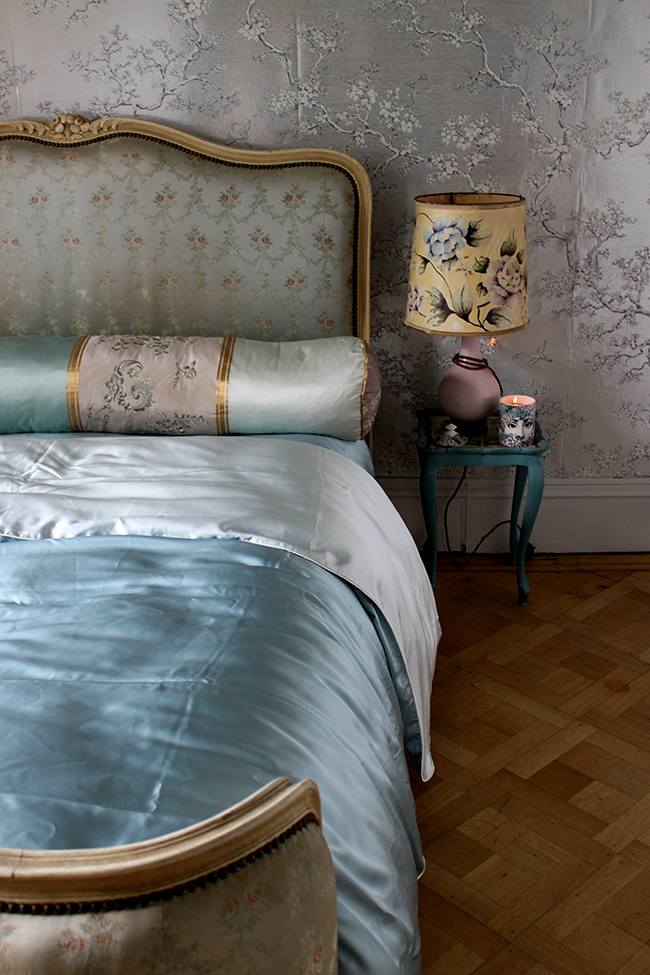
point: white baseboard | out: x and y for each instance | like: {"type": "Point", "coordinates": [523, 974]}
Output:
{"type": "Point", "coordinates": [603, 514]}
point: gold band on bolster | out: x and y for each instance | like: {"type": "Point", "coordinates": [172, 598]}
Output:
{"type": "Point", "coordinates": [72, 384]}
{"type": "Point", "coordinates": [223, 376]}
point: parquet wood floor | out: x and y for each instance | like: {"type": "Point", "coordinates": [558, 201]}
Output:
{"type": "Point", "coordinates": [536, 825]}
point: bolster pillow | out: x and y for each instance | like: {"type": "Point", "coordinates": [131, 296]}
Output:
{"type": "Point", "coordinates": [187, 386]}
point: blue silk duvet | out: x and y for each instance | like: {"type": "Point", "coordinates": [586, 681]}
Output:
{"type": "Point", "coordinates": [147, 683]}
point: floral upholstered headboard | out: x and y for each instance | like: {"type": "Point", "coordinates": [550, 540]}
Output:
{"type": "Point", "coordinates": [128, 226]}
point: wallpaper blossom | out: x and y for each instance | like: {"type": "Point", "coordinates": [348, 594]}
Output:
{"type": "Point", "coordinates": [550, 100]}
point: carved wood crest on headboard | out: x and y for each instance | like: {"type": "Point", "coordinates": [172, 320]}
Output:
{"type": "Point", "coordinates": [127, 225]}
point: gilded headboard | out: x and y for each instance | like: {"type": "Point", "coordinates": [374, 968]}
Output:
{"type": "Point", "coordinates": [130, 226]}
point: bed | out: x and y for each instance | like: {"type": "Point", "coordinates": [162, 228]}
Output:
{"type": "Point", "coordinates": [217, 635]}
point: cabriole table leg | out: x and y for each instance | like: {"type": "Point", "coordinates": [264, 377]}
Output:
{"type": "Point", "coordinates": [533, 501]}
{"type": "Point", "coordinates": [521, 477]}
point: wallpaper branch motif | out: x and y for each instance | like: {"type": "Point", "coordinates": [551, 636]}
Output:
{"type": "Point", "coordinates": [451, 95]}
{"type": "Point", "coordinates": [393, 115]}
{"type": "Point", "coordinates": [79, 14]}
{"type": "Point", "coordinates": [172, 71]}
{"type": "Point", "coordinates": [11, 75]}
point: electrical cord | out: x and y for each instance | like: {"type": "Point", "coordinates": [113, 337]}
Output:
{"type": "Point", "coordinates": [487, 534]}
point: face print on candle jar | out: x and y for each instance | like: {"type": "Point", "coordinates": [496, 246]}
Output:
{"type": "Point", "coordinates": [517, 421]}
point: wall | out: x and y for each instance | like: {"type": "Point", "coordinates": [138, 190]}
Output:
{"type": "Point", "coordinates": [551, 100]}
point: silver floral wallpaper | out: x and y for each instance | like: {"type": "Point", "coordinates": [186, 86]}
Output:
{"type": "Point", "coordinates": [550, 100]}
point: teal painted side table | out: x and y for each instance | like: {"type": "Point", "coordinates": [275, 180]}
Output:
{"type": "Point", "coordinates": [483, 449]}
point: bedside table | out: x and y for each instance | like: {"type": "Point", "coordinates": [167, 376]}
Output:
{"type": "Point", "coordinates": [483, 449]}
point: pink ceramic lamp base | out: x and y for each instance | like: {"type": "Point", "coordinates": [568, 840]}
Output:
{"type": "Point", "coordinates": [469, 394]}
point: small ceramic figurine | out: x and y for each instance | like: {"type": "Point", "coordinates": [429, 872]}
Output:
{"type": "Point", "coordinates": [451, 437]}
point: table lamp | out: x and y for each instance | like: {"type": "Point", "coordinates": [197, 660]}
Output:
{"type": "Point", "coordinates": [468, 278]}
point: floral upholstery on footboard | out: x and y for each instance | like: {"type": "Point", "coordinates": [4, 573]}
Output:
{"type": "Point", "coordinates": [251, 890]}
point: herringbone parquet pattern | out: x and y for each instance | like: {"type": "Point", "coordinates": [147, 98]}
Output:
{"type": "Point", "coordinates": [536, 826]}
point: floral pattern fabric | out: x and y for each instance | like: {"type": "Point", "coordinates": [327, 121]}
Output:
{"type": "Point", "coordinates": [469, 269]}
{"type": "Point", "coordinates": [133, 236]}
{"type": "Point", "coordinates": [275, 915]}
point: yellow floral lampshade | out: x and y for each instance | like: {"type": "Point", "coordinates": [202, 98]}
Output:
{"type": "Point", "coordinates": [468, 264]}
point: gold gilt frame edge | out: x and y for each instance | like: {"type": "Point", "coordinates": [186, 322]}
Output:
{"type": "Point", "coordinates": [94, 875]}
{"type": "Point", "coordinates": [74, 130]}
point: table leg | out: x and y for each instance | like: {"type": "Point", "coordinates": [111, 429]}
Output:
{"type": "Point", "coordinates": [521, 477]}
{"type": "Point", "coordinates": [429, 509]}
{"type": "Point", "coordinates": [533, 501]}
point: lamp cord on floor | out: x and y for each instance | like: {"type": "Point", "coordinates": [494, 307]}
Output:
{"type": "Point", "coordinates": [487, 534]}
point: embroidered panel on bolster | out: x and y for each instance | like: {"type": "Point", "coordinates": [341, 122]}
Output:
{"type": "Point", "coordinates": [151, 384]}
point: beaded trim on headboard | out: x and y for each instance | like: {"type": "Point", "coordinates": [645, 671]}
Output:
{"type": "Point", "coordinates": [110, 235]}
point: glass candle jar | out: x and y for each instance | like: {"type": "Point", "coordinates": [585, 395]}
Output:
{"type": "Point", "coordinates": [517, 421]}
